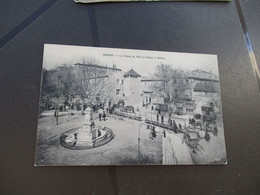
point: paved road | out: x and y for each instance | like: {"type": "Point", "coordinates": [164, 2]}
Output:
{"type": "Point", "coordinates": [174, 151]}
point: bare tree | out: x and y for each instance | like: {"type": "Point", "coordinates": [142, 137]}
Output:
{"type": "Point", "coordinates": [87, 81]}
{"type": "Point", "coordinates": [175, 85]}
{"type": "Point", "coordinates": [91, 82]}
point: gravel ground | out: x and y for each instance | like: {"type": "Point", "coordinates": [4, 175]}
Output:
{"type": "Point", "coordinates": [123, 149]}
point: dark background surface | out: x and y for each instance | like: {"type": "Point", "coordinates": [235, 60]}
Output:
{"type": "Point", "coordinates": [198, 27]}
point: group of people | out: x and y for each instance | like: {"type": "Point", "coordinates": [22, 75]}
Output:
{"type": "Point", "coordinates": [192, 121]}
{"type": "Point", "coordinates": [101, 114]}
{"type": "Point", "coordinates": [171, 123]}
{"type": "Point", "coordinates": [159, 115]}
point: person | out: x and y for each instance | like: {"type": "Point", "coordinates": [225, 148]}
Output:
{"type": "Point", "coordinates": [173, 122]}
{"type": "Point", "coordinates": [100, 112]}
{"type": "Point", "coordinates": [164, 133]}
{"type": "Point", "coordinates": [175, 127]}
{"type": "Point", "coordinates": [162, 118]}
{"type": "Point", "coordinates": [169, 122]}
{"type": "Point", "coordinates": [207, 136]}
{"type": "Point", "coordinates": [104, 115]}
{"type": "Point", "coordinates": [153, 131]}
{"type": "Point", "coordinates": [193, 121]}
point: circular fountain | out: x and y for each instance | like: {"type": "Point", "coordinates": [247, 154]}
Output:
{"type": "Point", "coordinates": [88, 136]}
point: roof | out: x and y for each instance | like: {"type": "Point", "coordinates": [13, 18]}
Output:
{"type": "Point", "coordinates": [198, 70]}
{"type": "Point", "coordinates": [203, 79]}
{"type": "Point", "coordinates": [151, 79]}
{"type": "Point", "coordinates": [132, 73]}
{"type": "Point", "coordinates": [98, 66]}
{"type": "Point", "coordinates": [206, 87]}
{"type": "Point", "coordinates": [196, 74]}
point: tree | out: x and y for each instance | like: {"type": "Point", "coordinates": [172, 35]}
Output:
{"type": "Point", "coordinates": [86, 81]}
{"type": "Point", "coordinates": [92, 81]}
{"type": "Point", "coordinates": [174, 84]}
{"type": "Point", "coordinates": [49, 90]}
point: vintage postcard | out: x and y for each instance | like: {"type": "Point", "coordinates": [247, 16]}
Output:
{"type": "Point", "coordinates": [105, 106]}
{"type": "Point", "coordinates": [97, 1]}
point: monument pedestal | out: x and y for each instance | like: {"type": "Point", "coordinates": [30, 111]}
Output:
{"type": "Point", "coordinates": [84, 135]}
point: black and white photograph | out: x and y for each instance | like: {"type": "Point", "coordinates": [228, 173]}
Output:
{"type": "Point", "coordinates": [106, 106]}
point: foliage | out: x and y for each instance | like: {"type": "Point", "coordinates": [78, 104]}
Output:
{"type": "Point", "coordinates": [174, 83]}
{"type": "Point", "coordinates": [67, 82]}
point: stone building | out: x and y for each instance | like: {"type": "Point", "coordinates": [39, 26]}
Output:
{"type": "Point", "coordinates": [203, 89]}
{"type": "Point", "coordinates": [132, 89]}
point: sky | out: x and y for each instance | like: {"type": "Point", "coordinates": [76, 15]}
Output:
{"type": "Point", "coordinates": [143, 62]}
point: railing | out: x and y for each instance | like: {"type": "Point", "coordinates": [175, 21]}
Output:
{"type": "Point", "coordinates": [128, 115]}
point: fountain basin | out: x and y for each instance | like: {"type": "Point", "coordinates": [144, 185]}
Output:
{"type": "Point", "coordinates": [69, 139]}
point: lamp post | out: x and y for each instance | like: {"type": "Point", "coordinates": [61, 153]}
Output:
{"type": "Point", "coordinates": [139, 139]}
{"type": "Point", "coordinates": [57, 106]}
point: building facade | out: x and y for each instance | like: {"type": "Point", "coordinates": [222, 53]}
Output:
{"type": "Point", "coordinates": [131, 89]}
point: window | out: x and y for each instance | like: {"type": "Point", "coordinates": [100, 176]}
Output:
{"type": "Point", "coordinates": [189, 110]}
{"type": "Point", "coordinates": [150, 99]}
{"type": "Point", "coordinates": [122, 82]}
{"type": "Point", "coordinates": [180, 108]}
{"type": "Point", "coordinates": [117, 91]}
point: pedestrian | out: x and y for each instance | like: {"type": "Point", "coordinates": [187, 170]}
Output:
{"type": "Point", "coordinates": [193, 121]}
{"type": "Point", "coordinates": [162, 118]}
{"type": "Point", "coordinates": [169, 122]}
{"type": "Point", "coordinates": [100, 112]}
{"type": "Point", "coordinates": [104, 115]}
{"type": "Point", "coordinates": [207, 136]}
{"type": "Point", "coordinates": [175, 127]}
{"type": "Point", "coordinates": [153, 131]}
{"type": "Point", "coordinates": [173, 122]}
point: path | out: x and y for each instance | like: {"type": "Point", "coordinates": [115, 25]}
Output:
{"type": "Point", "coordinates": [174, 151]}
